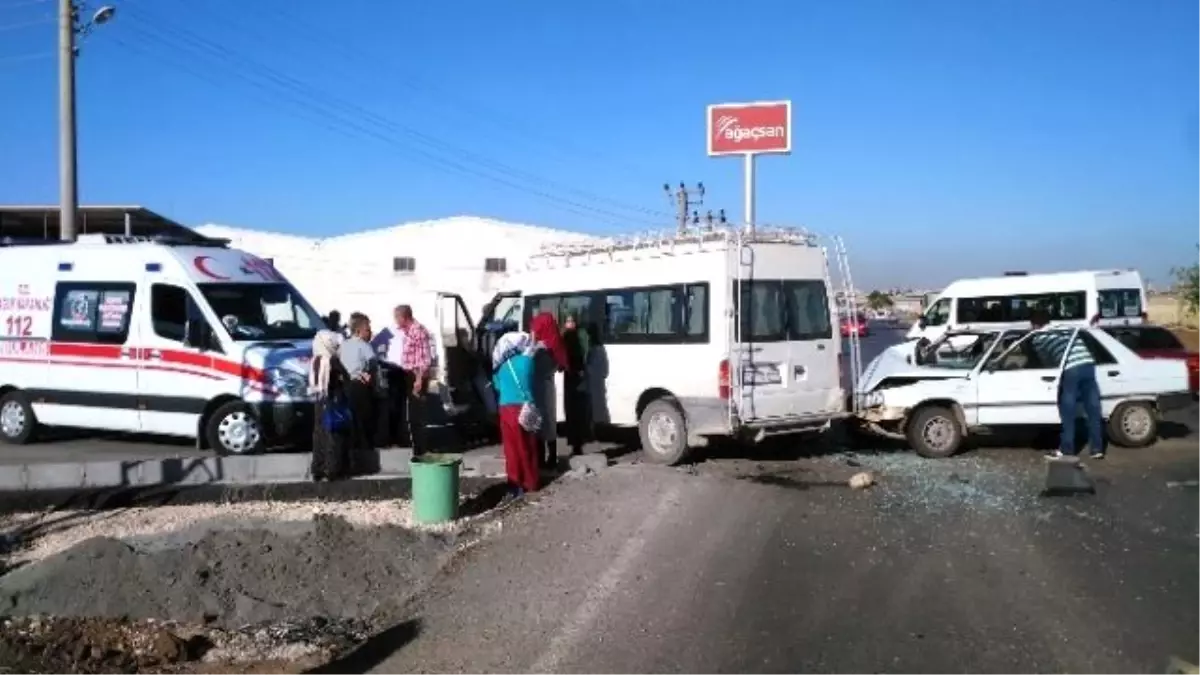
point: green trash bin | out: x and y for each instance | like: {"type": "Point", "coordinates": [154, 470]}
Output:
{"type": "Point", "coordinates": [435, 487]}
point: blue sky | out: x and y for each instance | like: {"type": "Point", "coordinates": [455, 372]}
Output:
{"type": "Point", "coordinates": [942, 138]}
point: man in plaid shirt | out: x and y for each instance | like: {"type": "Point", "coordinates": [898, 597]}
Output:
{"type": "Point", "coordinates": [415, 359]}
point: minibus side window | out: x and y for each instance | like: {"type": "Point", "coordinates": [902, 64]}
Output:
{"type": "Point", "coordinates": [1123, 303]}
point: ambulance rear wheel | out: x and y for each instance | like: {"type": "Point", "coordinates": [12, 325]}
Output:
{"type": "Point", "coordinates": [234, 430]}
{"type": "Point", "coordinates": [18, 424]}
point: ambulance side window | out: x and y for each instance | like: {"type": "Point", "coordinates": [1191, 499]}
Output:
{"type": "Point", "coordinates": [169, 309]}
{"type": "Point", "coordinates": [93, 312]}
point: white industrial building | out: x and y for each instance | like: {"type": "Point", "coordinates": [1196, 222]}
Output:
{"type": "Point", "coordinates": [375, 270]}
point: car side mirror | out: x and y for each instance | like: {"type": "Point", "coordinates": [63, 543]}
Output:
{"type": "Point", "coordinates": [922, 323]}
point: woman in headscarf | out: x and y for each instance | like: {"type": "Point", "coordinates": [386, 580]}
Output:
{"type": "Point", "coordinates": [550, 356]}
{"type": "Point", "coordinates": [514, 385]}
{"type": "Point", "coordinates": [327, 380]}
{"type": "Point", "coordinates": [576, 401]}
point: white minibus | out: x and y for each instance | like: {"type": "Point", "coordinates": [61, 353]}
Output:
{"type": "Point", "coordinates": [1105, 298]}
{"type": "Point", "coordinates": [701, 334]}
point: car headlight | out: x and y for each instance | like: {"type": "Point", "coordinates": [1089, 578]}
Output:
{"type": "Point", "coordinates": [871, 399]}
{"type": "Point", "coordinates": [288, 382]}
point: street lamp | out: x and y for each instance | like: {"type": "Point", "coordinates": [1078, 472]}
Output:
{"type": "Point", "coordinates": [68, 197]}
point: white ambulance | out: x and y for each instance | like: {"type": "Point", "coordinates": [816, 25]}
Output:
{"type": "Point", "coordinates": [179, 337]}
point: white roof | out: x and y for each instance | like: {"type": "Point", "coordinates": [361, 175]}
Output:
{"type": "Point", "coordinates": [1033, 283]}
{"type": "Point", "coordinates": [456, 232]}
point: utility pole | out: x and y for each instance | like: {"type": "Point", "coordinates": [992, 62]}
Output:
{"type": "Point", "coordinates": [69, 28]}
{"type": "Point", "coordinates": [68, 195]}
{"type": "Point", "coordinates": [686, 202]}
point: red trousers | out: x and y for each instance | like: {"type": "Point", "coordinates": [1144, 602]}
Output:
{"type": "Point", "coordinates": [520, 449]}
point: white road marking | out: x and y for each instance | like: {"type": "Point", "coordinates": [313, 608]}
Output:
{"type": "Point", "coordinates": [574, 630]}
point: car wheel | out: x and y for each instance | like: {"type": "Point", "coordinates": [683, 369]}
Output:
{"type": "Point", "coordinates": [663, 432]}
{"type": "Point", "coordinates": [934, 432]}
{"type": "Point", "coordinates": [234, 430]}
{"type": "Point", "coordinates": [1133, 425]}
{"type": "Point", "coordinates": [18, 424]}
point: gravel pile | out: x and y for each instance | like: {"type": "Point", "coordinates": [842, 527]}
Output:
{"type": "Point", "coordinates": [34, 536]}
{"type": "Point", "coordinates": [229, 571]}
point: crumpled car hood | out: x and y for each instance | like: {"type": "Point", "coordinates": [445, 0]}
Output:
{"type": "Point", "coordinates": [894, 362]}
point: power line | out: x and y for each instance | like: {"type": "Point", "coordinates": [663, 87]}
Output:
{"type": "Point", "coordinates": [325, 107]}
{"type": "Point", "coordinates": [275, 87]}
{"type": "Point", "coordinates": [19, 58]}
{"type": "Point", "coordinates": [355, 53]}
{"type": "Point", "coordinates": [431, 141]}
{"type": "Point", "coordinates": [25, 24]}
{"type": "Point", "coordinates": [22, 3]}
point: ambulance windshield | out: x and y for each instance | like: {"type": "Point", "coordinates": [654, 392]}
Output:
{"type": "Point", "coordinates": [262, 311]}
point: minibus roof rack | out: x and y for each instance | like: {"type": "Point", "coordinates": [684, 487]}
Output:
{"type": "Point", "coordinates": [161, 240]}
{"type": "Point", "coordinates": [7, 242]}
{"type": "Point", "coordinates": [112, 239]}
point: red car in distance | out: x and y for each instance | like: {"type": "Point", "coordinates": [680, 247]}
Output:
{"type": "Point", "coordinates": [1156, 342]}
{"type": "Point", "coordinates": [855, 325]}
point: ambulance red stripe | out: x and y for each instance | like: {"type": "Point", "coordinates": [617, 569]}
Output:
{"type": "Point", "coordinates": [171, 360]}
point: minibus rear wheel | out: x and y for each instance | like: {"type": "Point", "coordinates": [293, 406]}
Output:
{"type": "Point", "coordinates": [18, 424]}
{"type": "Point", "coordinates": [233, 429]}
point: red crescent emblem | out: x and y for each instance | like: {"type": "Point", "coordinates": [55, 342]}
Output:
{"type": "Point", "coordinates": [201, 264]}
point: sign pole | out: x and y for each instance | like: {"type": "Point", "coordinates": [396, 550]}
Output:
{"type": "Point", "coordinates": [748, 158]}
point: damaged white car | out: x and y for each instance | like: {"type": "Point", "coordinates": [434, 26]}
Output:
{"type": "Point", "coordinates": [934, 395]}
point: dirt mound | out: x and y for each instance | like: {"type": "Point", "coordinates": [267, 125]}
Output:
{"type": "Point", "coordinates": [66, 645]}
{"type": "Point", "coordinates": [62, 646]}
{"type": "Point", "coordinates": [232, 577]}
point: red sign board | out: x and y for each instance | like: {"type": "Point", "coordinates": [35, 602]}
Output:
{"type": "Point", "coordinates": [750, 128]}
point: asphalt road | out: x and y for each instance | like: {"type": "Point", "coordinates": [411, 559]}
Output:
{"type": "Point", "coordinates": [77, 446]}
{"type": "Point", "coordinates": [944, 566]}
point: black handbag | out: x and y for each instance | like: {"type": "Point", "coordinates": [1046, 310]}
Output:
{"type": "Point", "coordinates": [380, 383]}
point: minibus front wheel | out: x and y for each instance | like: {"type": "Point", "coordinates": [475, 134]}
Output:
{"type": "Point", "coordinates": [233, 429]}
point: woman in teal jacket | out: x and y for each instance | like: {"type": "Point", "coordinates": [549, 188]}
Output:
{"type": "Point", "coordinates": [513, 381]}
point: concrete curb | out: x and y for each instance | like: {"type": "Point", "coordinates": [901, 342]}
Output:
{"type": "Point", "coordinates": [253, 470]}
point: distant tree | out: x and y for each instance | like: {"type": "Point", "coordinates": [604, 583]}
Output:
{"type": "Point", "coordinates": [878, 300]}
{"type": "Point", "coordinates": [1187, 284]}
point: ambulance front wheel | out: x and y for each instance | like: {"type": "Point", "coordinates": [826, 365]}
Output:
{"type": "Point", "coordinates": [233, 429]}
{"type": "Point", "coordinates": [18, 424]}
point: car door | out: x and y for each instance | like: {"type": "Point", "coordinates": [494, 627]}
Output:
{"type": "Point", "coordinates": [1018, 386]}
{"type": "Point", "coordinates": [455, 358]}
{"type": "Point", "coordinates": [176, 379]}
{"type": "Point", "coordinates": [1119, 381]}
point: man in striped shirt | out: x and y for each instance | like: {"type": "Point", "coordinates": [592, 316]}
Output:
{"type": "Point", "coordinates": [1077, 385]}
{"type": "Point", "coordinates": [415, 359]}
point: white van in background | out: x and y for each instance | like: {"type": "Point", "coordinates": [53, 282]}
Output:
{"type": "Point", "coordinates": [697, 334]}
{"type": "Point", "coordinates": [179, 337]}
{"type": "Point", "coordinates": [1108, 298]}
